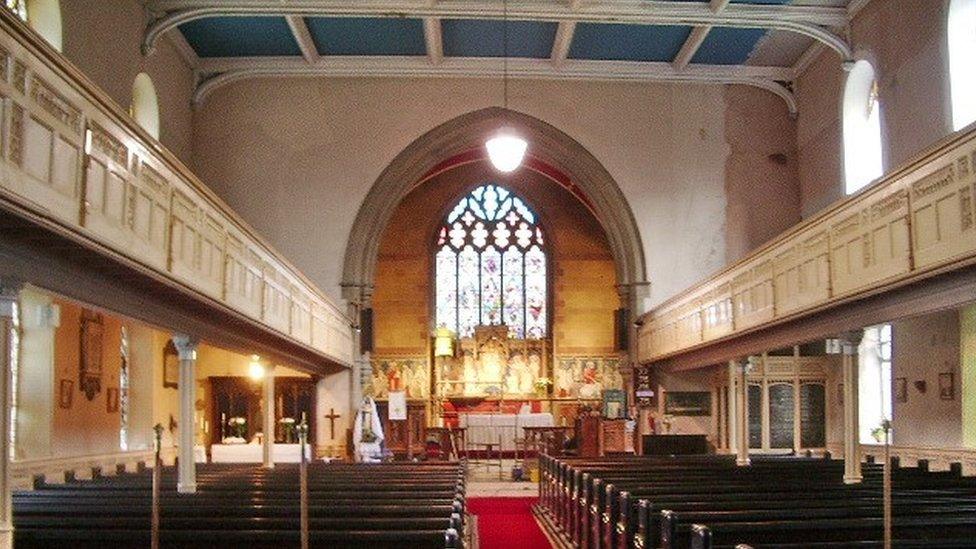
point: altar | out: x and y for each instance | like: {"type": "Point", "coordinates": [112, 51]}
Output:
{"type": "Point", "coordinates": [252, 453]}
{"type": "Point", "coordinates": [485, 428]}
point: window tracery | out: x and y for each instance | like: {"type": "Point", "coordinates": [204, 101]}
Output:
{"type": "Point", "coordinates": [491, 266]}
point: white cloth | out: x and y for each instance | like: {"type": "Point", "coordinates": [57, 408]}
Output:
{"type": "Point", "coordinates": [368, 451]}
{"type": "Point", "coordinates": [252, 453]}
{"type": "Point", "coordinates": [484, 428]}
{"type": "Point", "coordinates": [397, 406]}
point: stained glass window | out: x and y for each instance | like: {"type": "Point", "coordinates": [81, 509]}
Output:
{"type": "Point", "coordinates": [491, 266]}
{"type": "Point", "coordinates": [124, 391]}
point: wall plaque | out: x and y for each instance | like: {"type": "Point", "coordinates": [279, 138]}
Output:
{"type": "Point", "coordinates": [90, 371]}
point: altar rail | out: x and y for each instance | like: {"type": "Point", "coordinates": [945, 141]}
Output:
{"type": "Point", "coordinates": [72, 157]}
{"type": "Point", "coordinates": [912, 224]}
{"type": "Point", "coordinates": [938, 459]}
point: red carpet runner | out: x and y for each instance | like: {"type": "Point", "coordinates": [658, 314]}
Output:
{"type": "Point", "coordinates": [507, 523]}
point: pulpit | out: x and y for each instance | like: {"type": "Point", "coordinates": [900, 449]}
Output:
{"type": "Point", "coordinates": [614, 439]}
{"type": "Point", "coordinates": [599, 436]}
{"type": "Point", "coordinates": [588, 435]}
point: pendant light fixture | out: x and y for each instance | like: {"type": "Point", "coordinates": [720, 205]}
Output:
{"type": "Point", "coordinates": [506, 148]}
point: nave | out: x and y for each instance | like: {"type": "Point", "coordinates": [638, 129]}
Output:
{"type": "Point", "coordinates": [512, 273]}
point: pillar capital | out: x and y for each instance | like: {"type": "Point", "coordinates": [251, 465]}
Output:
{"type": "Point", "coordinates": [186, 346]}
{"type": "Point", "coordinates": [360, 296]}
{"type": "Point", "coordinates": [630, 292]}
{"type": "Point", "coordinates": [849, 341]}
{"type": "Point", "coordinates": [746, 364]}
{"type": "Point", "coordinates": [9, 293]}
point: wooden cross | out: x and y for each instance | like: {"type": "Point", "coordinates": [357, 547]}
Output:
{"type": "Point", "coordinates": [332, 416]}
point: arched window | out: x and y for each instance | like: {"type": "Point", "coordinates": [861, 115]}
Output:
{"type": "Point", "coordinates": [14, 361]}
{"type": "Point", "coordinates": [44, 16]}
{"type": "Point", "coordinates": [874, 383]}
{"type": "Point", "coordinates": [145, 104]}
{"type": "Point", "coordinates": [124, 391]}
{"type": "Point", "coordinates": [491, 266]}
{"type": "Point", "coordinates": [17, 6]}
{"type": "Point", "coordinates": [862, 128]}
{"type": "Point", "coordinates": [962, 50]}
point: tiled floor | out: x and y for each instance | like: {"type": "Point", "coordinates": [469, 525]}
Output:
{"type": "Point", "coordinates": [485, 482]}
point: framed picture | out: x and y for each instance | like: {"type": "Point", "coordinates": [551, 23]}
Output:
{"type": "Point", "coordinates": [688, 403]}
{"type": "Point", "coordinates": [947, 386]}
{"type": "Point", "coordinates": [171, 366]}
{"type": "Point", "coordinates": [112, 400]}
{"type": "Point", "coordinates": [66, 393]}
{"type": "Point", "coordinates": [90, 367]}
{"type": "Point", "coordinates": [901, 389]}
{"type": "Point", "coordinates": [614, 404]}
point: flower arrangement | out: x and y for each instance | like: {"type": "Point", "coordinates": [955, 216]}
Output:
{"type": "Point", "coordinates": [542, 386]}
{"type": "Point", "coordinates": [288, 424]}
{"type": "Point", "coordinates": [238, 425]}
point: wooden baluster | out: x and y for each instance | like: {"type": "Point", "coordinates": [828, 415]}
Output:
{"type": "Point", "coordinates": [156, 480]}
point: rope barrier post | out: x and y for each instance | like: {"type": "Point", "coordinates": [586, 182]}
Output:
{"type": "Point", "coordinates": [303, 484]}
{"type": "Point", "coordinates": [886, 425]}
{"type": "Point", "coordinates": [156, 481]}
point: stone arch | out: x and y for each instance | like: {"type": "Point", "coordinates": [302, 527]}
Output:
{"type": "Point", "coordinates": [548, 145]}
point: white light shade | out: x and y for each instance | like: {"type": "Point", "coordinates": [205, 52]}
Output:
{"type": "Point", "coordinates": [506, 151]}
{"type": "Point", "coordinates": [256, 369]}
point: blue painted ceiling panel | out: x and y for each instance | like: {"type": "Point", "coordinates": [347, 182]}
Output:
{"type": "Point", "coordinates": [728, 46]}
{"type": "Point", "coordinates": [367, 36]}
{"type": "Point", "coordinates": [240, 36]}
{"type": "Point", "coordinates": [485, 38]}
{"type": "Point", "coordinates": [617, 42]}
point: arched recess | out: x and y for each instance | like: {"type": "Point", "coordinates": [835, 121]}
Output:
{"type": "Point", "coordinates": [547, 145]}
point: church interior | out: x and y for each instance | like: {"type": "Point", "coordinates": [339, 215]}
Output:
{"type": "Point", "coordinates": [600, 274]}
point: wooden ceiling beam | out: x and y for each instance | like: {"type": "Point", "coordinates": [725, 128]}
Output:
{"type": "Point", "coordinates": [299, 30]}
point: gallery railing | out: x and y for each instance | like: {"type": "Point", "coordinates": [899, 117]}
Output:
{"type": "Point", "coordinates": [74, 158]}
{"type": "Point", "coordinates": [938, 459]}
{"type": "Point", "coordinates": [914, 223]}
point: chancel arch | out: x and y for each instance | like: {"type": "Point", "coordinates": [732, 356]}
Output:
{"type": "Point", "coordinates": [551, 152]}
{"type": "Point", "coordinates": [550, 347]}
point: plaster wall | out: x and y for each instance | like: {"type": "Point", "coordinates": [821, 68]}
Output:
{"type": "Point", "coordinates": [334, 393]}
{"type": "Point", "coordinates": [967, 365]}
{"type": "Point", "coordinates": [762, 195]}
{"type": "Point", "coordinates": [702, 379]}
{"type": "Point", "coordinates": [103, 37]}
{"type": "Point", "coordinates": [166, 400]}
{"type": "Point", "coordinates": [906, 41]}
{"type": "Point", "coordinates": [35, 376]}
{"type": "Point", "coordinates": [923, 348]}
{"type": "Point", "coordinates": [85, 427]}
{"type": "Point", "coordinates": [295, 157]}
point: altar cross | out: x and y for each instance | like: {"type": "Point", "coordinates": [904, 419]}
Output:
{"type": "Point", "coordinates": [332, 416]}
